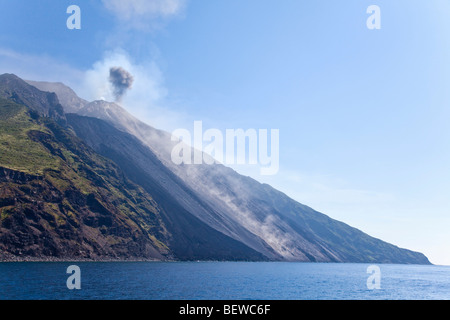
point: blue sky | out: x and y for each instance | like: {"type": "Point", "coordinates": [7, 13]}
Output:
{"type": "Point", "coordinates": [363, 114]}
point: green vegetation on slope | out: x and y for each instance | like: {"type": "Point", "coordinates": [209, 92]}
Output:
{"type": "Point", "coordinates": [58, 198]}
{"type": "Point", "coordinates": [17, 151]}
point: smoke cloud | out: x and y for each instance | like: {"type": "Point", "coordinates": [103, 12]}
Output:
{"type": "Point", "coordinates": [121, 81]}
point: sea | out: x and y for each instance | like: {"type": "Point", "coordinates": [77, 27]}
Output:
{"type": "Point", "coordinates": [221, 281]}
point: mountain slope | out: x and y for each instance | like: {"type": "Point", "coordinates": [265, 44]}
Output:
{"type": "Point", "coordinates": [144, 168]}
{"type": "Point", "coordinates": [252, 213]}
{"type": "Point", "coordinates": [43, 103]}
{"type": "Point", "coordinates": [66, 96]}
{"type": "Point", "coordinates": [60, 199]}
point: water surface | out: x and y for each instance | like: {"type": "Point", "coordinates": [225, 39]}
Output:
{"type": "Point", "coordinates": [222, 281]}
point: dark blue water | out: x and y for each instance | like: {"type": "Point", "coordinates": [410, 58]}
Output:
{"type": "Point", "coordinates": [222, 281]}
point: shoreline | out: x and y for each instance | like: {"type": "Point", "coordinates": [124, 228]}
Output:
{"type": "Point", "coordinates": [78, 260]}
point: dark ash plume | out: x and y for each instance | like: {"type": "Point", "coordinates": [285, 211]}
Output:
{"type": "Point", "coordinates": [121, 81]}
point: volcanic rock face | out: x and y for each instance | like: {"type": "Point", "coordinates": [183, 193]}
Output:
{"type": "Point", "coordinates": [99, 184]}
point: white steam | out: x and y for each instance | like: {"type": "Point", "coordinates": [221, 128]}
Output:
{"type": "Point", "coordinates": [146, 99]}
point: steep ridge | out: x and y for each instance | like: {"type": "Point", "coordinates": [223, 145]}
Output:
{"type": "Point", "coordinates": [44, 103]}
{"type": "Point", "coordinates": [59, 199]}
{"type": "Point", "coordinates": [252, 213]}
{"type": "Point", "coordinates": [144, 168]}
{"type": "Point", "coordinates": [66, 96]}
